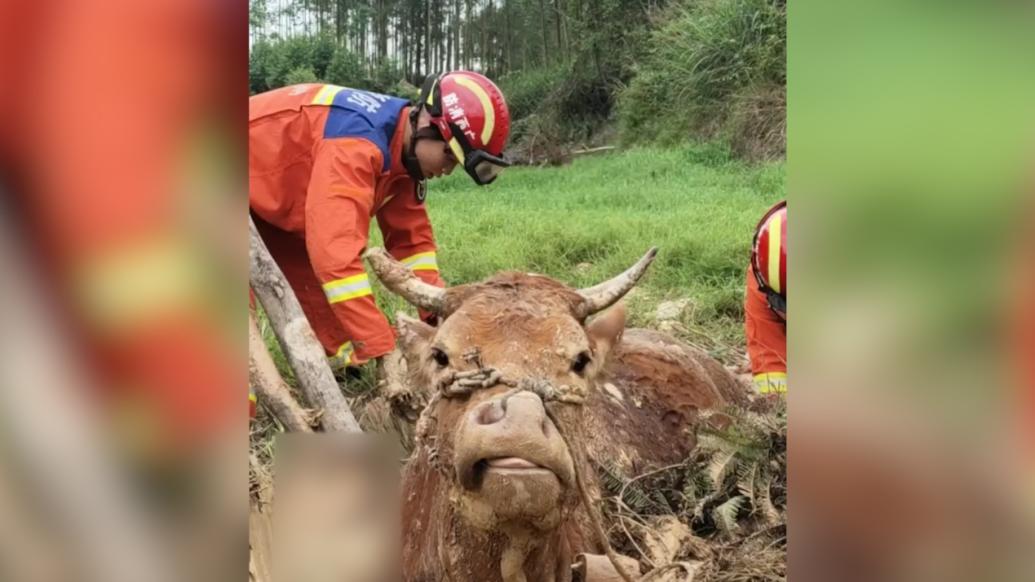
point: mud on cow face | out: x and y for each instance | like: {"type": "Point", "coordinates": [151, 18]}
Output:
{"type": "Point", "coordinates": [508, 350]}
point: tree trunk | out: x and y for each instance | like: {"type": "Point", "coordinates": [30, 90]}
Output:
{"type": "Point", "coordinates": [483, 52]}
{"type": "Point", "coordinates": [508, 40]}
{"type": "Point", "coordinates": [427, 37]}
{"type": "Point", "coordinates": [456, 34]}
{"type": "Point", "coordinates": [382, 31]}
{"type": "Point", "coordinates": [339, 30]}
{"type": "Point", "coordinates": [440, 52]}
{"type": "Point", "coordinates": [418, 33]}
{"type": "Point", "coordinates": [490, 39]}
{"type": "Point", "coordinates": [545, 29]}
{"type": "Point", "coordinates": [403, 47]}
{"type": "Point", "coordinates": [297, 339]}
{"type": "Point", "coordinates": [268, 385]}
{"type": "Point", "coordinates": [448, 30]}
{"type": "Point", "coordinates": [468, 35]}
{"type": "Point", "coordinates": [364, 24]}
{"type": "Point", "coordinates": [562, 28]}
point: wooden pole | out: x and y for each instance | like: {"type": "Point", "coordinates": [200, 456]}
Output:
{"type": "Point", "coordinates": [296, 337]}
{"type": "Point", "coordinates": [269, 386]}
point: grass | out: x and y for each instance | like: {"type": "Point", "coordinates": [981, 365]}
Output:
{"type": "Point", "coordinates": [588, 221]}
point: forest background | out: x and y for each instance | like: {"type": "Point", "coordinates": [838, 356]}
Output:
{"type": "Point", "coordinates": [577, 73]}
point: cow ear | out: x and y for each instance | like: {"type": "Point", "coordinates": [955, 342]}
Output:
{"type": "Point", "coordinates": [606, 330]}
{"type": "Point", "coordinates": [414, 334]}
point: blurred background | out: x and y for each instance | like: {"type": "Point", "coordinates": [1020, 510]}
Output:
{"type": "Point", "coordinates": [911, 148]}
{"type": "Point", "coordinates": [122, 249]}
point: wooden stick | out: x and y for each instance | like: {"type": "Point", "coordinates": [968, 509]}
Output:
{"type": "Point", "coordinates": [269, 386]}
{"type": "Point", "coordinates": [296, 337]}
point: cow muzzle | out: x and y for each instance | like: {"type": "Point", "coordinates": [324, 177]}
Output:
{"type": "Point", "coordinates": [511, 456]}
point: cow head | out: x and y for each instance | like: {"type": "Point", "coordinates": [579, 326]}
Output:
{"type": "Point", "coordinates": [512, 359]}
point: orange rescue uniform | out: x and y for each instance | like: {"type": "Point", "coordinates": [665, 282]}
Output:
{"type": "Point", "coordinates": [766, 334]}
{"type": "Point", "coordinates": [323, 161]}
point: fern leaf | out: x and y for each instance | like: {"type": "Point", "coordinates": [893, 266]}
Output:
{"type": "Point", "coordinates": [609, 477]}
{"type": "Point", "coordinates": [637, 499]}
{"type": "Point", "coordinates": [704, 502]}
{"type": "Point", "coordinates": [719, 466]}
{"type": "Point", "coordinates": [725, 515]}
{"type": "Point", "coordinates": [746, 477]}
{"type": "Point", "coordinates": [764, 502]}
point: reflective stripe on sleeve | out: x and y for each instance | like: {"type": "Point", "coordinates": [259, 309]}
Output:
{"type": "Point", "coordinates": [775, 242]}
{"type": "Point", "coordinates": [771, 383]}
{"type": "Point", "coordinates": [421, 262]}
{"type": "Point", "coordinates": [347, 288]}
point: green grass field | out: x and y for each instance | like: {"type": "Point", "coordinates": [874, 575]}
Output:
{"type": "Point", "coordinates": [588, 221]}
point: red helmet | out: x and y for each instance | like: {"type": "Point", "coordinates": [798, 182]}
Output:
{"type": "Point", "coordinates": [471, 115]}
{"type": "Point", "coordinates": [769, 256]}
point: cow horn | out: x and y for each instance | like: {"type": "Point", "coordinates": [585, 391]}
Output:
{"type": "Point", "coordinates": [401, 281]}
{"type": "Point", "coordinates": [606, 294]}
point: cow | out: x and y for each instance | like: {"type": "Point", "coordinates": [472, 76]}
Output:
{"type": "Point", "coordinates": [525, 393]}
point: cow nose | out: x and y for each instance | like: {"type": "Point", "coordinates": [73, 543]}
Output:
{"type": "Point", "coordinates": [523, 410]}
{"type": "Point", "coordinates": [491, 412]}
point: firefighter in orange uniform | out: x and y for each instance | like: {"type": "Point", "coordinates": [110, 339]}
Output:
{"type": "Point", "coordinates": [765, 305]}
{"type": "Point", "coordinates": [325, 160]}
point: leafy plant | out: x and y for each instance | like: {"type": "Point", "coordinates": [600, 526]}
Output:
{"type": "Point", "coordinates": [300, 75]}
{"type": "Point", "coordinates": [745, 465]}
{"type": "Point", "coordinates": [717, 69]}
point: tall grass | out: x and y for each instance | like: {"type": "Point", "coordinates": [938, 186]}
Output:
{"type": "Point", "coordinates": [716, 70]}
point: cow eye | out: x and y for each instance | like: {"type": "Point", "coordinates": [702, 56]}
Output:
{"type": "Point", "coordinates": [581, 361]}
{"type": "Point", "coordinates": [440, 357]}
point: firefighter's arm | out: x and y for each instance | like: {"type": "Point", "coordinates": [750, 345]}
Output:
{"type": "Point", "coordinates": [338, 207]}
{"type": "Point", "coordinates": [408, 236]}
{"type": "Point", "coordinates": [766, 335]}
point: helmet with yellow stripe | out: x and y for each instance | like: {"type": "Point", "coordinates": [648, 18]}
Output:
{"type": "Point", "coordinates": [472, 117]}
{"type": "Point", "coordinates": [769, 257]}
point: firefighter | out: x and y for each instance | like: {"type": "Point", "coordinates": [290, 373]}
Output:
{"type": "Point", "coordinates": [325, 160]}
{"type": "Point", "coordinates": [765, 304]}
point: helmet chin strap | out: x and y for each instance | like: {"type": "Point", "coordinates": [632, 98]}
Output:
{"type": "Point", "coordinates": [410, 160]}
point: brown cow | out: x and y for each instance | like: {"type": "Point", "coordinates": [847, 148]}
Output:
{"type": "Point", "coordinates": [523, 392]}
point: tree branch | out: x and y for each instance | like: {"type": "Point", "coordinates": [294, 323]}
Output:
{"type": "Point", "coordinates": [296, 337]}
{"type": "Point", "coordinates": [269, 386]}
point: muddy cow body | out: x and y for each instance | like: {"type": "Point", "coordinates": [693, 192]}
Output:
{"type": "Point", "coordinates": [645, 404]}
{"type": "Point", "coordinates": [526, 390]}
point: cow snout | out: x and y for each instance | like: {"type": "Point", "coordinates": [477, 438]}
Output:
{"type": "Point", "coordinates": [522, 413]}
{"type": "Point", "coordinates": [510, 435]}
